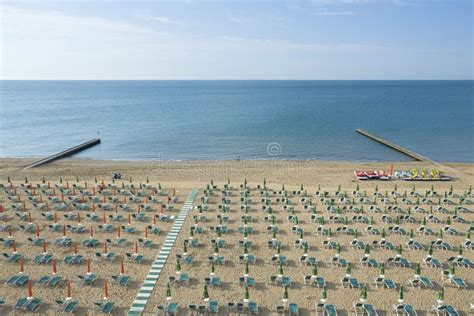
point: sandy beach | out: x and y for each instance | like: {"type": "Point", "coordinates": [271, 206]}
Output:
{"type": "Point", "coordinates": [184, 176]}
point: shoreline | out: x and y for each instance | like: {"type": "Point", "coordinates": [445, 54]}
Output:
{"type": "Point", "coordinates": [296, 172]}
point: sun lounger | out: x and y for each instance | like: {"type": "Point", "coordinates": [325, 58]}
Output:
{"type": "Point", "coordinates": [404, 310]}
{"type": "Point", "coordinates": [323, 309]}
{"type": "Point", "coordinates": [118, 241]}
{"type": "Point", "coordinates": [91, 242]}
{"type": "Point", "coordinates": [70, 306]}
{"type": "Point", "coordinates": [18, 280]}
{"type": "Point", "coordinates": [14, 258]}
{"type": "Point", "coordinates": [134, 257]}
{"type": "Point", "coordinates": [21, 303]}
{"type": "Point", "coordinates": [105, 307]}
{"type": "Point", "coordinates": [32, 305]}
{"type": "Point", "coordinates": [122, 280]}
{"type": "Point", "coordinates": [88, 279]}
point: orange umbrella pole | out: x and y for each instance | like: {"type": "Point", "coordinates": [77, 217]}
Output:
{"type": "Point", "coordinates": [106, 290]}
{"type": "Point", "coordinates": [14, 247]}
{"type": "Point", "coordinates": [37, 231]}
{"type": "Point", "coordinates": [75, 249]}
{"type": "Point", "coordinates": [91, 233]}
{"type": "Point", "coordinates": [30, 220]}
{"type": "Point", "coordinates": [161, 208]}
{"type": "Point", "coordinates": [105, 248]}
{"type": "Point", "coordinates": [62, 197]}
{"type": "Point", "coordinates": [104, 219]}
{"type": "Point", "coordinates": [68, 296]}
{"type": "Point", "coordinates": [10, 236]}
{"type": "Point", "coordinates": [30, 289]}
{"type": "Point", "coordinates": [122, 268]}
{"type": "Point", "coordinates": [136, 247]}
{"type": "Point", "coordinates": [24, 206]}
{"type": "Point", "coordinates": [67, 184]}
{"type": "Point", "coordinates": [55, 270]}
{"type": "Point", "coordinates": [64, 230]}
{"type": "Point", "coordinates": [146, 233]}
{"type": "Point", "coordinates": [129, 219]}
{"type": "Point", "coordinates": [118, 231]}
{"type": "Point", "coordinates": [44, 247]}
{"type": "Point", "coordinates": [154, 220]}
{"type": "Point", "coordinates": [55, 218]}
{"type": "Point", "coordinates": [88, 266]}
{"type": "Point", "coordinates": [78, 219]}
{"type": "Point", "coordinates": [22, 268]}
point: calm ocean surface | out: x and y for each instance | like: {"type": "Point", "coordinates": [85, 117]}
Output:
{"type": "Point", "coordinates": [177, 120]}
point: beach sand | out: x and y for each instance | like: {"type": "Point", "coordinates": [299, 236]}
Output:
{"type": "Point", "coordinates": [183, 176]}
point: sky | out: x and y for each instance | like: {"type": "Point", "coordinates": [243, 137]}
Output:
{"type": "Point", "coordinates": [313, 39]}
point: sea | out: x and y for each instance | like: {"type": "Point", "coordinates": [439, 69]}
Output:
{"type": "Point", "coordinates": [229, 120]}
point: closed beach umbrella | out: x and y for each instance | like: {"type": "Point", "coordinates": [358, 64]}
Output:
{"type": "Point", "coordinates": [382, 269]}
{"type": "Point", "coordinates": [285, 294]}
{"type": "Point", "coordinates": [168, 291]}
{"type": "Point", "coordinates": [178, 266]}
{"type": "Point", "coordinates": [30, 289]}
{"type": "Point", "coordinates": [367, 249]}
{"type": "Point", "coordinates": [400, 294]}
{"type": "Point", "coordinates": [441, 295]}
{"type": "Point", "coordinates": [348, 269]}
{"type": "Point", "coordinates": [212, 268]}
{"type": "Point", "coordinates": [315, 271]}
{"type": "Point", "coordinates": [106, 290]}
{"type": "Point", "coordinates": [324, 295]}
{"type": "Point", "coordinates": [246, 268]}
{"type": "Point", "coordinates": [418, 269]}
{"type": "Point", "coordinates": [246, 294]}
{"type": "Point", "coordinates": [363, 294]}
{"type": "Point", "coordinates": [205, 294]}
{"type": "Point", "coordinates": [68, 293]}
{"type": "Point", "coordinates": [280, 269]}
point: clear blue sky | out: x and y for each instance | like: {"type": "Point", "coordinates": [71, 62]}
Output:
{"type": "Point", "coordinates": [315, 39]}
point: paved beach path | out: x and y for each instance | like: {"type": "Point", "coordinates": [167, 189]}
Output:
{"type": "Point", "coordinates": [149, 283]}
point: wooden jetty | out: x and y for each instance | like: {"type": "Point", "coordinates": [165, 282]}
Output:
{"type": "Point", "coordinates": [65, 153]}
{"type": "Point", "coordinates": [393, 146]}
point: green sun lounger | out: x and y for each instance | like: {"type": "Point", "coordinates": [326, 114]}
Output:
{"type": "Point", "coordinates": [293, 309]}
{"type": "Point", "coordinates": [122, 280]}
{"type": "Point", "coordinates": [21, 303]}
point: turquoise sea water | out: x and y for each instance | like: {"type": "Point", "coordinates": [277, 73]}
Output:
{"type": "Point", "coordinates": [176, 120]}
